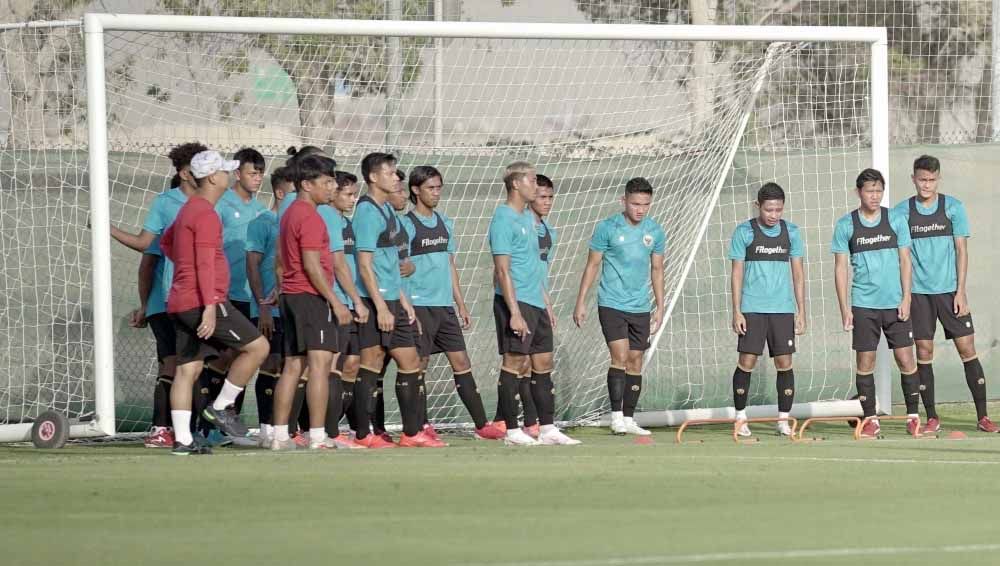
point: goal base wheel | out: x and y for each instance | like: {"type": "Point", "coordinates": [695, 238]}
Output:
{"type": "Point", "coordinates": [51, 430]}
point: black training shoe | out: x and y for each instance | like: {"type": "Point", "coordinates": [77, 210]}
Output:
{"type": "Point", "coordinates": [193, 449]}
{"type": "Point", "coordinates": [226, 420]}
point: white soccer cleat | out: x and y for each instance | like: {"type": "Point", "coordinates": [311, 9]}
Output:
{"type": "Point", "coordinates": [744, 430]}
{"type": "Point", "coordinates": [283, 445]}
{"type": "Point", "coordinates": [618, 424]}
{"type": "Point", "coordinates": [517, 437]}
{"type": "Point", "coordinates": [264, 440]}
{"type": "Point", "coordinates": [784, 429]}
{"type": "Point", "coordinates": [555, 437]}
{"type": "Point", "coordinates": [632, 428]}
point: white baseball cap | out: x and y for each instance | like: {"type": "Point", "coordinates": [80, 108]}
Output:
{"type": "Point", "coordinates": [209, 162]}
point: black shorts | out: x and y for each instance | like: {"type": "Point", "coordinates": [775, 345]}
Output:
{"type": "Point", "coordinates": [165, 335]}
{"type": "Point", "coordinates": [308, 324]}
{"type": "Point", "coordinates": [348, 343]}
{"type": "Point", "coordinates": [540, 341]}
{"type": "Point", "coordinates": [775, 329]}
{"type": "Point", "coordinates": [619, 325]}
{"type": "Point", "coordinates": [243, 307]}
{"type": "Point", "coordinates": [926, 310]}
{"type": "Point", "coordinates": [232, 330]}
{"type": "Point", "coordinates": [869, 324]}
{"type": "Point", "coordinates": [277, 337]}
{"type": "Point", "coordinates": [440, 331]}
{"type": "Point", "coordinates": [403, 335]}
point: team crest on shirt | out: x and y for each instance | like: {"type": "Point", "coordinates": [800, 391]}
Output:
{"type": "Point", "coordinates": [621, 238]}
{"type": "Point", "coordinates": [523, 230]}
{"type": "Point", "coordinates": [648, 240]}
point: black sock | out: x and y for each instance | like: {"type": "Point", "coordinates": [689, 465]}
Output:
{"type": "Point", "coordinates": [348, 402]}
{"type": "Point", "coordinates": [786, 390]}
{"type": "Point", "coordinates": [161, 401]}
{"type": "Point", "coordinates": [378, 410]}
{"type": "Point", "coordinates": [264, 389]}
{"type": "Point", "coordinates": [465, 385]}
{"type": "Point", "coordinates": [422, 405]}
{"type": "Point", "coordinates": [408, 397]}
{"type": "Point", "coordinates": [499, 414]}
{"type": "Point", "coordinates": [334, 406]}
{"type": "Point", "coordinates": [866, 393]}
{"type": "Point", "coordinates": [911, 392]}
{"type": "Point", "coordinates": [507, 397]}
{"type": "Point", "coordinates": [543, 391]}
{"type": "Point", "coordinates": [616, 388]}
{"type": "Point", "coordinates": [926, 373]}
{"type": "Point", "coordinates": [238, 403]}
{"type": "Point", "coordinates": [298, 407]}
{"type": "Point", "coordinates": [527, 401]}
{"type": "Point", "coordinates": [364, 400]}
{"type": "Point", "coordinates": [976, 380]}
{"type": "Point", "coordinates": [633, 388]}
{"type": "Point", "coordinates": [207, 387]}
{"type": "Point", "coordinates": [741, 388]}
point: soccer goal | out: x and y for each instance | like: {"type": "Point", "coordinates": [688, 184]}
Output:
{"type": "Point", "coordinates": [706, 113]}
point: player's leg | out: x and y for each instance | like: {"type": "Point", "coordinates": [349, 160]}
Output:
{"type": "Point", "coordinates": [864, 340]}
{"type": "Point", "coordinates": [924, 326]}
{"type": "Point", "coordinates": [267, 377]}
{"type": "Point", "coordinates": [408, 395]}
{"type": "Point", "coordinates": [614, 326]}
{"type": "Point", "coordinates": [318, 395]}
{"type": "Point", "coordinates": [377, 415]}
{"type": "Point", "coordinates": [370, 365]}
{"type": "Point", "coordinates": [529, 410]}
{"type": "Point", "coordinates": [638, 342]}
{"type": "Point", "coordinates": [899, 335]}
{"type": "Point", "coordinates": [781, 347]}
{"type": "Point", "coordinates": [191, 352]}
{"type": "Point", "coordinates": [962, 332]}
{"type": "Point", "coordinates": [543, 390]}
{"type": "Point", "coordinates": [284, 393]}
{"type": "Point", "coordinates": [161, 435]}
{"type": "Point", "coordinates": [750, 346]}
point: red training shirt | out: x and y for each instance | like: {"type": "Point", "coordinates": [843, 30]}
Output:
{"type": "Point", "coordinates": [302, 228]}
{"type": "Point", "coordinates": [194, 243]}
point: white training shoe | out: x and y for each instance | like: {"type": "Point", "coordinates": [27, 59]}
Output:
{"type": "Point", "coordinates": [618, 424]}
{"type": "Point", "coordinates": [283, 445]}
{"type": "Point", "coordinates": [632, 428]}
{"type": "Point", "coordinates": [784, 429]}
{"type": "Point", "coordinates": [320, 444]}
{"type": "Point", "coordinates": [264, 440]}
{"type": "Point", "coordinates": [555, 437]}
{"type": "Point", "coordinates": [517, 437]}
{"type": "Point", "coordinates": [744, 430]}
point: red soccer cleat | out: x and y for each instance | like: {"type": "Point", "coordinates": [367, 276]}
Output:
{"type": "Point", "coordinates": [429, 431]}
{"type": "Point", "coordinates": [419, 440]}
{"type": "Point", "coordinates": [382, 434]}
{"type": "Point", "coordinates": [500, 425]}
{"type": "Point", "coordinates": [374, 441]}
{"type": "Point", "coordinates": [913, 427]}
{"type": "Point", "coordinates": [160, 437]}
{"type": "Point", "coordinates": [490, 432]}
{"type": "Point", "coordinates": [871, 430]}
{"type": "Point", "coordinates": [300, 440]}
{"type": "Point", "coordinates": [533, 431]}
{"type": "Point", "coordinates": [986, 425]}
{"type": "Point", "coordinates": [932, 426]}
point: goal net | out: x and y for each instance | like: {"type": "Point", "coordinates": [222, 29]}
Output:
{"type": "Point", "coordinates": [707, 114]}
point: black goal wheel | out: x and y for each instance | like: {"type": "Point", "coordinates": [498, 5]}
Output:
{"type": "Point", "coordinates": [51, 430]}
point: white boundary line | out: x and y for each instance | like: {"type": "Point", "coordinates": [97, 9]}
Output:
{"type": "Point", "coordinates": [756, 556]}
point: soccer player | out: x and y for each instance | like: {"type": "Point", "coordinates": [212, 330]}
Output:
{"type": "Point", "coordinates": [391, 319]}
{"type": "Point", "coordinates": [872, 244]}
{"type": "Point", "coordinates": [520, 303]}
{"type": "Point", "coordinates": [155, 276]}
{"type": "Point", "coordinates": [768, 299]}
{"type": "Point", "coordinates": [939, 228]}
{"type": "Point", "coordinates": [435, 291]}
{"type": "Point", "coordinates": [238, 207]}
{"type": "Point", "coordinates": [344, 372]}
{"type": "Point", "coordinates": [310, 311]}
{"type": "Point", "coordinates": [294, 155]}
{"type": "Point", "coordinates": [204, 319]}
{"type": "Point", "coordinates": [627, 249]}
{"type": "Point", "coordinates": [262, 243]}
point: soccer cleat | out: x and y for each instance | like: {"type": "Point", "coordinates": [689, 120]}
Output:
{"type": "Point", "coordinates": [744, 430]}
{"type": "Point", "coordinates": [532, 431]}
{"type": "Point", "coordinates": [913, 427]}
{"type": "Point", "coordinates": [986, 425]}
{"type": "Point", "coordinates": [429, 431]}
{"type": "Point", "coordinates": [618, 424]}
{"type": "Point", "coordinates": [283, 445]}
{"type": "Point", "coordinates": [500, 425]}
{"type": "Point", "coordinates": [632, 428]}
{"type": "Point", "coordinates": [243, 441]}
{"type": "Point", "coordinates": [160, 437]}
{"type": "Point", "coordinates": [783, 428]}
{"type": "Point", "coordinates": [343, 442]}
{"type": "Point", "coordinates": [374, 441]}
{"type": "Point", "coordinates": [320, 445]}
{"type": "Point", "coordinates": [300, 440]}
{"type": "Point", "coordinates": [383, 435]}
{"type": "Point", "coordinates": [871, 430]}
{"type": "Point", "coordinates": [216, 439]}
{"type": "Point", "coordinates": [489, 432]}
{"type": "Point", "coordinates": [517, 437]}
{"type": "Point", "coordinates": [420, 440]}
{"type": "Point", "coordinates": [263, 440]}
{"type": "Point", "coordinates": [226, 420]}
{"type": "Point", "coordinates": [193, 449]}
{"type": "Point", "coordinates": [933, 425]}
{"type": "Point", "coordinates": [555, 437]}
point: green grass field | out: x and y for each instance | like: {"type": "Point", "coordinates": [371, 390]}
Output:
{"type": "Point", "coordinates": [610, 501]}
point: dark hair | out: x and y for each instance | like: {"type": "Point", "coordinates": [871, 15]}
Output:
{"type": "Point", "coordinates": [420, 175]}
{"type": "Point", "coordinates": [927, 163]}
{"type": "Point", "coordinates": [282, 175]}
{"type": "Point", "coordinates": [313, 167]}
{"type": "Point", "coordinates": [869, 176]}
{"type": "Point", "coordinates": [302, 152]}
{"type": "Point", "coordinates": [400, 174]}
{"type": "Point", "coordinates": [175, 181]}
{"type": "Point", "coordinates": [250, 155]}
{"type": "Point", "coordinates": [544, 181]}
{"type": "Point", "coordinates": [181, 155]}
{"type": "Point", "coordinates": [770, 191]}
{"type": "Point", "coordinates": [344, 178]}
{"type": "Point", "coordinates": [638, 185]}
{"type": "Point", "coordinates": [373, 161]}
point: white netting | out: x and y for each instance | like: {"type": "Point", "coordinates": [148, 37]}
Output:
{"type": "Point", "coordinates": [590, 114]}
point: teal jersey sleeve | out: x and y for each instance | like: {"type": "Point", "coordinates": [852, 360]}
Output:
{"type": "Point", "coordinates": [502, 234]}
{"type": "Point", "coordinates": [659, 240]}
{"type": "Point", "coordinates": [159, 216]}
{"type": "Point", "coordinates": [262, 238]}
{"type": "Point", "coordinates": [842, 232]}
{"type": "Point", "coordinates": [795, 236]}
{"type": "Point", "coordinates": [452, 240]}
{"type": "Point", "coordinates": [334, 226]}
{"type": "Point", "coordinates": [955, 211]}
{"type": "Point", "coordinates": [600, 240]}
{"type": "Point", "coordinates": [554, 234]}
{"type": "Point", "coordinates": [742, 236]}
{"type": "Point", "coordinates": [901, 226]}
{"type": "Point", "coordinates": [368, 224]}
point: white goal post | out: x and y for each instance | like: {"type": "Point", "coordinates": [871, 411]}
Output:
{"type": "Point", "coordinates": [96, 26]}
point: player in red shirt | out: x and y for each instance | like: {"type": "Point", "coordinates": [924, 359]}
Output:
{"type": "Point", "coordinates": [310, 311]}
{"type": "Point", "coordinates": [205, 321]}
